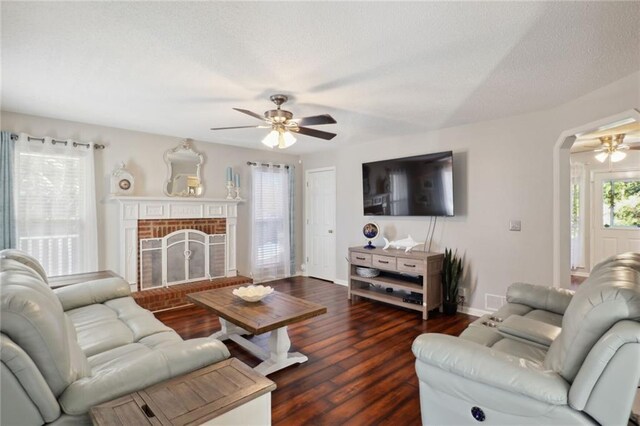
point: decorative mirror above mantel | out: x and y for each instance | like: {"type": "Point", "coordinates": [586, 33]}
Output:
{"type": "Point", "coordinates": [184, 166]}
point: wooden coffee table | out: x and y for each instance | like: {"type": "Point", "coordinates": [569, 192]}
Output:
{"type": "Point", "coordinates": [273, 313]}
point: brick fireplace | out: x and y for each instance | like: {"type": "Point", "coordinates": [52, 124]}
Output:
{"type": "Point", "coordinates": [143, 219]}
{"type": "Point", "coordinates": [159, 228]}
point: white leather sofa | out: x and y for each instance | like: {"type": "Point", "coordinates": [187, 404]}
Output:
{"type": "Point", "coordinates": [64, 351]}
{"type": "Point", "coordinates": [549, 356]}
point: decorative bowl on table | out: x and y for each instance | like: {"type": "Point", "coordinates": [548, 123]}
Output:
{"type": "Point", "coordinates": [367, 272]}
{"type": "Point", "coordinates": [253, 293]}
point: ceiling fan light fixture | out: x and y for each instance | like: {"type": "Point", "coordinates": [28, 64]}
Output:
{"type": "Point", "coordinates": [272, 139]}
{"type": "Point", "coordinates": [601, 157]}
{"type": "Point", "coordinates": [280, 138]}
{"type": "Point", "coordinates": [286, 139]}
{"type": "Point", "coordinates": [617, 156]}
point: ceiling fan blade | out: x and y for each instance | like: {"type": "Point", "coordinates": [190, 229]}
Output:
{"type": "Point", "coordinates": [314, 120]}
{"type": "Point", "coordinates": [253, 114]}
{"type": "Point", "coordinates": [239, 127]}
{"type": "Point", "coordinates": [314, 133]}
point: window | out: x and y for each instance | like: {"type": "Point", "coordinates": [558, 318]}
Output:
{"type": "Point", "coordinates": [270, 223]}
{"type": "Point", "coordinates": [621, 203]}
{"type": "Point", "coordinates": [55, 205]}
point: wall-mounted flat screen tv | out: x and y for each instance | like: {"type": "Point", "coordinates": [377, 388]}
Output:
{"type": "Point", "coordinates": [412, 186]}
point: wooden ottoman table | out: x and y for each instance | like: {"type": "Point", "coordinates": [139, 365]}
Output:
{"type": "Point", "coordinates": [226, 393]}
{"type": "Point", "coordinates": [273, 313]}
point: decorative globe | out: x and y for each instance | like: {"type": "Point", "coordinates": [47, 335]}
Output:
{"type": "Point", "coordinates": [370, 231]}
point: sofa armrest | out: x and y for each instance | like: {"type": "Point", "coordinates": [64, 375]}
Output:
{"type": "Point", "coordinates": [529, 330]}
{"type": "Point", "coordinates": [485, 365]}
{"type": "Point", "coordinates": [551, 299]}
{"type": "Point", "coordinates": [87, 293]}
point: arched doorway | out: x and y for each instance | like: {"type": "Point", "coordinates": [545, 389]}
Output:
{"type": "Point", "coordinates": [561, 196]}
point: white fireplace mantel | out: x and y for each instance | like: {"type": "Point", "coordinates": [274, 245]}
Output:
{"type": "Point", "coordinates": [134, 208]}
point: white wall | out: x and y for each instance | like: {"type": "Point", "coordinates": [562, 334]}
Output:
{"type": "Point", "coordinates": [143, 154]}
{"type": "Point", "coordinates": [630, 162]}
{"type": "Point", "coordinates": [503, 170]}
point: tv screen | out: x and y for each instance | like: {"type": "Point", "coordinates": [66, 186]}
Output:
{"type": "Point", "coordinates": [410, 186]}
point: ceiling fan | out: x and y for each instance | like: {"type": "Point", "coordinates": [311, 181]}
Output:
{"type": "Point", "coordinates": [613, 148]}
{"type": "Point", "coordinates": [611, 143]}
{"type": "Point", "coordinates": [283, 125]}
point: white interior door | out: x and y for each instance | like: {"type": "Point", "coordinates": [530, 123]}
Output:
{"type": "Point", "coordinates": [320, 222]}
{"type": "Point", "coordinates": [615, 224]}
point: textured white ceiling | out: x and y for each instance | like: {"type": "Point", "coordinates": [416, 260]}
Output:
{"type": "Point", "coordinates": [381, 69]}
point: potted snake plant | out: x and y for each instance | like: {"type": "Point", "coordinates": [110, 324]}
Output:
{"type": "Point", "coordinates": [452, 269]}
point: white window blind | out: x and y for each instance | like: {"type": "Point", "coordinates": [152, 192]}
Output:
{"type": "Point", "coordinates": [55, 205]}
{"type": "Point", "coordinates": [270, 246]}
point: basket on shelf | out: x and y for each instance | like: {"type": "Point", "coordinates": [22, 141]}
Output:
{"type": "Point", "coordinates": [367, 272]}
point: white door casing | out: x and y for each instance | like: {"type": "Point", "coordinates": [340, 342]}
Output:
{"type": "Point", "coordinates": [609, 241]}
{"type": "Point", "coordinates": [561, 191]}
{"type": "Point", "coordinates": [320, 223]}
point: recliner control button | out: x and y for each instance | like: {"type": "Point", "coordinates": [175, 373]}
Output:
{"type": "Point", "coordinates": [478, 414]}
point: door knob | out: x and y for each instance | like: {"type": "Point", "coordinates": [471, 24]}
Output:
{"type": "Point", "coordinates": [331, 231]}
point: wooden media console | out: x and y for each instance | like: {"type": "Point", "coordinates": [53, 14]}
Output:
{"type": "Point", "coordinates": [410, 280]}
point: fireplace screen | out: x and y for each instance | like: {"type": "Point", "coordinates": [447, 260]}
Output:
{"type": "Point", "coordinates": [181, 257]}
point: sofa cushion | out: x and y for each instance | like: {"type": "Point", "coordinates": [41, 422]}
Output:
{"type": "Point", "coordinates": [521, 350]}
{"type": "Point", "coordinates": [135, 366]}
{"type": "Point", "coordinates": [545, 316]}
{"type": "Point", "coordinates": [158, 340]}
{"type": "Point", "coordinates": [512, 309]}
{"type": "Point", "coordinates": [529, 330]}
{"type": "Point", "coordinates": [140, 321]}
{"type": "Point", "coordinates": [480, 334]}
{"type": "Point", "coordinates": [117, 322]}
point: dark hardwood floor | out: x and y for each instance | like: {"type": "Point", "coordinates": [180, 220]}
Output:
{"type": "Point", "coordinates": [360, 369]}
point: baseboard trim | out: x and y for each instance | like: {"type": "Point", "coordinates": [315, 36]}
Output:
{"type": "Point", "coordinates": [473, 311]}
{"type": "Point", "coordinates": [341, 282]}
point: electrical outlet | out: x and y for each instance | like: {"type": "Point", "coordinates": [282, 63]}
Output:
{"type": "Point", "coordinates": [515, 225]}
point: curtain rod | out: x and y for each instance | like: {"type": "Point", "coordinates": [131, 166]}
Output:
{"type": "Point", "coordinates": [56, 141]}
{"type": "Point", "coordinates": [251, 163]}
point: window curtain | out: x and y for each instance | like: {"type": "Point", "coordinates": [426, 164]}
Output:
{"type": "Point", "coordinates": [54, 189]}
{"type": "Point", "coordinates": [291, 172]}
{"type": "Point", "coordinates": [7, 215]}
{"type": "Point", "coordinates": [270, 243]}
{"type": "Point", "coordinates": [578, 210]}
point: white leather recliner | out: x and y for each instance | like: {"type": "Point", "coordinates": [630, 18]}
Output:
{"type": "Point", "coordinates": [549, 356]}
{"type": "Point", "coordinates": [64, 351]}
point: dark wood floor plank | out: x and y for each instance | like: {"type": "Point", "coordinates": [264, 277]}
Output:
{"type": "Point", "coordinates": [384, 407]}
{"type": "Point", "coordinates": [360, 369]}
{"type": "Point", "coordinates": [283, 407]}
{"type": "Point", "coordinates": [353, 384]}
{"type": "Point", "coordinates": [308, 415]}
